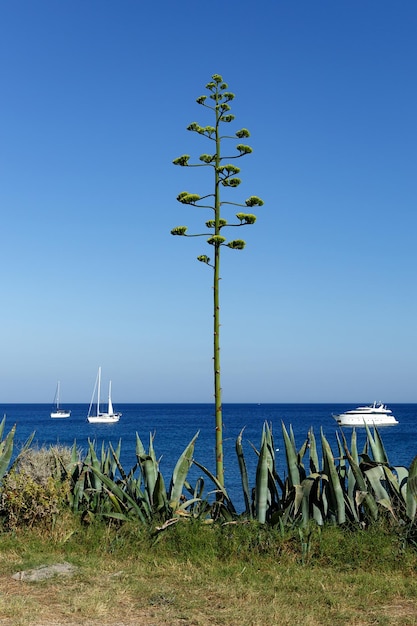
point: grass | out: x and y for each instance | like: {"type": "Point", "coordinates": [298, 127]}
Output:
{"type": "Point", "coordinates": [195, 575]}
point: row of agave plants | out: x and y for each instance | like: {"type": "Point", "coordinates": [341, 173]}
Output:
{"type": "Point", "coordinates": [352, 487]}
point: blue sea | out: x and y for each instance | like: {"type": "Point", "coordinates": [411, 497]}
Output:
{"type": "Point", "coordinates": [174, 425]}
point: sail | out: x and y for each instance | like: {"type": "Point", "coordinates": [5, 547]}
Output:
{"type": "Point", "coordinates": [110, 408]}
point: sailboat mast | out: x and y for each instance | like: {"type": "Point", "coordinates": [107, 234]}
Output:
{"type": "Point", "coordinates": [57, 395]}
{"type": "Point", "coordinates": [98, 391]}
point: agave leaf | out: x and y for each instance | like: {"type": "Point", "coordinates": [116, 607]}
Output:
{"type": "Point", "coordinates": [198, 490]}
{"type": "Point", "coordinates": [115, 457]}
{"type": "Point", "coordinates": [299, 501]}
{"type": "Point", "coordinates": [150, 475]}
{"type": "Point", "coordinates": [402, 475]}
{"type": "Point", "coordinates": [312, 497]}
{"type": "Point", "coordinates": [151, 448]}
{"type": "Point", "coordinates": [140, 449]}
{"type": "Point", "coordinates": [243, 473]}
{"type": "Point", "coordinates": [269, 441]}
{"type": "Point", "coordinates": [300, 456]}
{"type": "Point", "coordinates": [96, 483]}
{"type": "Point", "coordinates": [219, 510]}
{"type": "Point", "coordinates": [361, 486]}
{"type": "Point", "coordinates": [180, 472]}
{"type": "Point", "coordinates": [2, 426]}
{"type": "Point", "coordinates": [314, 459]}
{"type": "Point", "coordinates": [291, 455]}
{"type": "Point", "coordinates": [187, 504]}
{"type": "Point", "coordinates": [273, 497]}
{"type": "Point", "coordinates": [159, 496]}
{"type": "Point", "coordinates": [292, 437]}
{"type": "Point", "coordinates": [126, 502]}
{"type": "Point", "coordinates": [387, 504]}
{"type": "Point", "coordinates": [115, 502]}
{"type": "Point", "coordinates": [25, 447]}
{"type": "Point", "coordinates": [382, 455]}
{"type": "Point", "coordinates": [378, 452]}
{"type": "Point", "coordinates": [219, 487]}
{"type": "Point", "coordinates": [6, 450]}
{"type": "Point", "coordinates": [342, 459]}
{"type": "Point", "coordinates": [354, 446]}
{"type": "Point", "coordinates": [261, 491]}
{"type": "Point", "coordinates": [392, 482]}
{"type": "Point", "coordinates": [374, 476]}
{"type": "Point", "coordinates": [335, 490]}
{"type": "Point", "coordinates": [412, 490]}
{"type": "Point", "coordinates": [117, 465]}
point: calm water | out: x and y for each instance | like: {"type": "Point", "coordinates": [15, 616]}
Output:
{"type": "Point", "coordinates": [174, 425]}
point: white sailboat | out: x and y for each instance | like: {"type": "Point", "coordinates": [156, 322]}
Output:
{"type": "Point", "coordinates": [100, 417]}
{"type": "Point", "coordinates": [57, 411]}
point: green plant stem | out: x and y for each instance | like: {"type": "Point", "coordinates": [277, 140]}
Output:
{"type": "Point", "coordinates": [216, 316]}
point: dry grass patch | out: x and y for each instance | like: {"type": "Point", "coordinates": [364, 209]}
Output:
{"type": "Point", "coordinates": [205, 579]}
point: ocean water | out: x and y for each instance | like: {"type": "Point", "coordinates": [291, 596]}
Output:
{"type": "Point", "coordinates": [174, 425]}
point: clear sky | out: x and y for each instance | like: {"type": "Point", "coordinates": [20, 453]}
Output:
{"type": "Point", "coordinates": [96, 95]}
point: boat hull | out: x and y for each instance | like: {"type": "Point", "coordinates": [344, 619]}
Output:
{"type": "Point", "coordinates": [104, 418]}
{"type": "Point", "coordinates": [365, 420]}
{"type": "Point", "coordinates": [60, 414]}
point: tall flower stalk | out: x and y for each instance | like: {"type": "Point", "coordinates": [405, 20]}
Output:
{"type": "Point", "coordinates": [225, 175]}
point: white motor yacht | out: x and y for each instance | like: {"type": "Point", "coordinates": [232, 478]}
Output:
{"type": "Point", "coordinates": [377, 414]}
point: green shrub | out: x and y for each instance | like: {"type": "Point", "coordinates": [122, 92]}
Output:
{"type": "Point", "coordinates": [35, 491]}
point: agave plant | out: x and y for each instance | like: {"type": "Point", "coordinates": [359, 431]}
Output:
{"type": "Point", "coordinates": [6, 448]}
{"type": "Point", "coordinates": [101, 487]}
{"type": "Point", "coordinates": [352, 487]}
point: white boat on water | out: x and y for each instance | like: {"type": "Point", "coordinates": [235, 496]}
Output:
{"type": "Point", "coordinates": [97, 416]}
{"type": "Point", "coordinates": [57, 412]}
{"type": "Point", "coordinates": [377, 414]}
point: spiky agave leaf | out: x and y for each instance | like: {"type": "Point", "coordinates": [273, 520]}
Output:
{"type": "Point", "coordinates": [180, 472]}
{"type": "Point", "coordinates": [243, 473]}
{"type": "Point", "coordinates": [140, 449]}
{"type": "Point", "coordinates": [402, 477]}
{"type": "Point", "coordinates": [291, 456]}
{"type": "Point", "coordinates": [314, 459]}
{"type": "Point", "coordinates": [354, 446]}
{"type": "Point", "coordinates": [412, 490]}
{"type": "Point", "coordinates": [149, 469]}
{"type": "Point", "coordinates": [336, 496]}
{"type": "Point", "coordinates": [314, 505]}
{"type": "Point", "coordinates": [159, 498]}
{"type": "Point", "coordinates": [368, 500]}
{"type": "Point", "coordinates": [125, 502]}
{"type": "Point", "coordinates": [375, 476]}
{"type": "Point", "coordinates": [221, 489]}
{"type": "Point", "coordinates": [6, 449]}
{"type": "Point", "coordinates": [376, 445]}
{"type": "Point", "coordinates": [261, 492]}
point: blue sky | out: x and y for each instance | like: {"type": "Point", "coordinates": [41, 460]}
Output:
{"type": "Point", "coordinates": [321, 306]}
